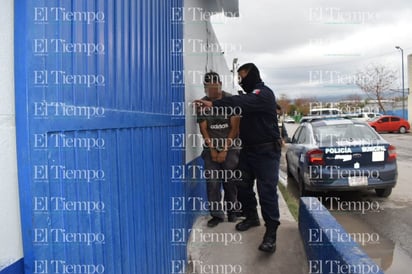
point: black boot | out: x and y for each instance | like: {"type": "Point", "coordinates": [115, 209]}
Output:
{"type": "Point", "coordinates": [269, 240]}
{"type": "Point", "coordinates": [247, 223]}
{"type": "Point", "coordinates": [231, 217]}
{"type": "Point", "coordinates": [214, 221]}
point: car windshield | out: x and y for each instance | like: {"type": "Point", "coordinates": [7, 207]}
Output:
{"type": "Point", "coordinates": [344, 134]}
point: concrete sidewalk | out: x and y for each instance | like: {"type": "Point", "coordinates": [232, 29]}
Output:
{"type": "Point", "coordinates": [225, 250]}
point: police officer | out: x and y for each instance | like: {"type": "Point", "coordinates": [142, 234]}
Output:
{"type": "Point", "coordinates": [260, 154]}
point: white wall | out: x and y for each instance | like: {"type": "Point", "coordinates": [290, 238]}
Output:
{"type": "Point", "coordinates": [10, 235]}
{"type": "Point", "coordinates": [198, 34]}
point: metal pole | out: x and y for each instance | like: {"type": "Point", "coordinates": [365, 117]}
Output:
{"type": "Point", "coordinates": [403, 84]}
{"type": "Point", "coordinates": [403, 88]}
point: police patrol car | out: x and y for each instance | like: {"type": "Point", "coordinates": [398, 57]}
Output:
{"type": "Point", "coordinates": [341, 154]}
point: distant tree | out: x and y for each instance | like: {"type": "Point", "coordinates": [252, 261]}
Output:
{"type": "Point", "coordinates": [351, 104]}
{"type": "Point", "coordinates": [284, 103]}
{"type": "Point", "coordinates": [302, 105]}
{"type": "Point", "coordinates": [292, 109]}
{"type": "Point", "coordinates": [376, 81]}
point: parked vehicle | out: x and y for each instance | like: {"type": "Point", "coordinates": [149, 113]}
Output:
{"type": "Point", "coordinates": [325, 111]}
{"type": "Point", "coordinates": [309, 118]}
{"type": "Point", "coordinates": [289, 119]}
{"type": "Point", "coordinates": [366, 116]}
{"type": "Point", "coordinates": [341, 154]}
{"type": "Point", "coordinates": [318, 113]}
{"type": "Point", "coordinates": [390, 123]}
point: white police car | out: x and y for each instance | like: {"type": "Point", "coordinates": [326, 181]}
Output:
{"type": "Point", "coordinates": [341, 154]}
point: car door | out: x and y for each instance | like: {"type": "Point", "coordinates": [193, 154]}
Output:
{"type": "Point", "coordinates": [292, 153]}
{"type": "Point", "coordinates": [383, 124]}
{"type": "Point", "coordinates": [395, 123]}
{"type": "Point", "coordinates": [302, 142]}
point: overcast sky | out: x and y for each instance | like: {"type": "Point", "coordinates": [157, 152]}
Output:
{"type": "Point", "coordinates": [314, 47]}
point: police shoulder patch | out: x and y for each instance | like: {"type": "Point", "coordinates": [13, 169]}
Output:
{"type": "Point", "coordinates": [256, 91]}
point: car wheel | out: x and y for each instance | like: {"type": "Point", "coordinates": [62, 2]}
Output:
{"type": "Point", "coordinates": [302, 189]}
{"type": "Point", "coordinates": [402, 130]}
{"type": "Point", "coordinates": [383, 192]}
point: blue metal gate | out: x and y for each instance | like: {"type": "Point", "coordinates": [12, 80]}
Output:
{"type": "Point", "coordinates": [94, 112]}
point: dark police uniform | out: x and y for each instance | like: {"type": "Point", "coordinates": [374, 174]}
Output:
{"type": "Point", "coordinates": [260, 154]}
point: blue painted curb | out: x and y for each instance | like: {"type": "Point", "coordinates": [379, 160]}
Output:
{"type": "Point", "coordinates": [328, 246]}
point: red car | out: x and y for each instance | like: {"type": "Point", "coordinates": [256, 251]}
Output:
{"type": "Point", "coordinates": [389, 123]}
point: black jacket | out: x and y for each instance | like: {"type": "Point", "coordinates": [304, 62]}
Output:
{"type": "Point", "coordinates": [259, 123]}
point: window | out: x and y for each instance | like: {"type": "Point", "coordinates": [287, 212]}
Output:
{"type": "Point", "coordinates": [304, 137]}
{"type": "Point", "coordinates": [395, 119]}
{"type": "Point", "coordinates": [385, 120]}
{"type": "Point", "coordinates": [296, 135]}
{"type": "Point", "coordinates": [332, 135]}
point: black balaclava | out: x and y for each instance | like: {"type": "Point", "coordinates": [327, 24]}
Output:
{"type": "Point", "coordinates": [253, 77]}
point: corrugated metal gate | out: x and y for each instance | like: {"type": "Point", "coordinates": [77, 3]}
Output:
{"type": "Point", "coordinates": [94, 106]}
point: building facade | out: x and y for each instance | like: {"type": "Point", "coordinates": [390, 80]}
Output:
{"type": "Point", "coordinates": [95, 177]}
